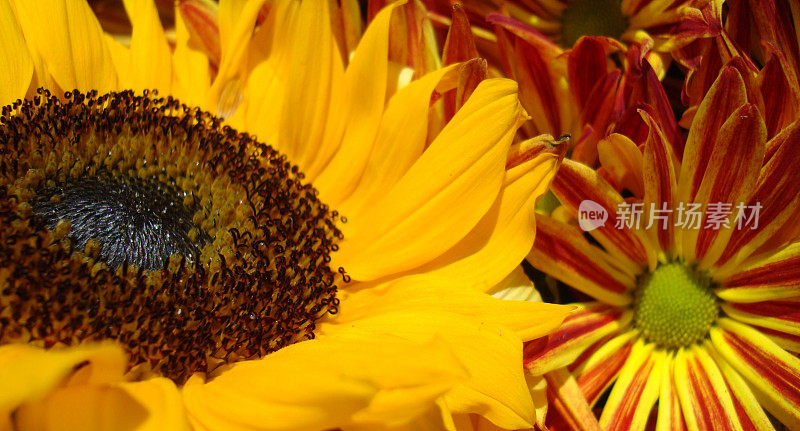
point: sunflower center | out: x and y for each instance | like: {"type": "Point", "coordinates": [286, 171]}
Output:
{"type": "Point", "coordinates": [141, 220]}
{"type": "Point", "coordinates": [592, 18]}
{"type": "Point", "coordinates": [675, 306]}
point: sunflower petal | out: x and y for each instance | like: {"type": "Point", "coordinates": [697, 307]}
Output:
{"type": "Point", "coordinates": [670, 416]}
{"type": "Point", "coordinates": [366, 88]}
{"type": "Point", "coordinates": [149, 405]}
{"type": "Point", "coordinates": [781, 316]}
{"type": "Point", "coordinates": [400, 141]}
{"type": "Point", "coordinates": [772, 373]}
{"type": "Point", "coordinates": [636, 389]}
{"type": "Point", "coordinates": [748, 408]}
{"type": "Point", "coordinates": [16, 65]}
{"type": "Point", "coordinates": [426, 294]}
{"type": "Point", "coordinates": [29, 373]}
{"type": "Point", "coordinates": [705, 398]}
{"type": "Point", "coordinates": [589, 323]}
{"type": "Point", "coordinates": [575, 183]}
{"type": "Point", "coordinates": [775, 277]}
{"type": "Point", "coordinates": [326, 383]}
{"type": "Point", "coordinates": [149, 49]}
{"type": "Point", "coordinates": [496, 388]}
{"type": "Point", "coordinates": [70, 41]}
{"type": "Point", "coordinates": [459, 175]}
{"type": "Point", "coordinates": [561, 251]}
{"type": "Point", "coordinates": [505, 234]}
{"type": "Point", "coordinates": [192, 75]}
{"type": "Point", "coordinates": [597, 373]}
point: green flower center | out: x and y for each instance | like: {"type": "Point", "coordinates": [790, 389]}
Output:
{"type": "Point", "coordinates": [592, 18]}
{"type": "Point", "coordinates": [675, 306]}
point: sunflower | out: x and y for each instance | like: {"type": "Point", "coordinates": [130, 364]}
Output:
{"type": "Point", "coordinates": [163, 269]}
{"type": "Point", "coordinates": [691, 281]}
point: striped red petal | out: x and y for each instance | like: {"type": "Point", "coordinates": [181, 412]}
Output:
{"type": "Point", "coordinates": [781, 316]}
{"type": "Point", "coordinates": [777, 193]}
{"type": "Point", "coordinates": [636, 389]}
{"type": "Point", "coordinates": [772, 373]}
{"type": "Point", "coordinates": [703, 392]}
{"type": "Point", "coordinates": [660, 168]}
{"type": "Point", "coordinates": [602, 367]}
{"type": "Point", "coordinates": [776, 277]}
{"type": "Point", "coordinates": [568, 402]}
{"type": "Point", "coordinates": [670, 415]}
{"type": "Point", "coordinates": [575, 183]}
{"type": "Point", "coordinates": [561, 251]}
{"type": "Point", "coordinates": [586, 325]}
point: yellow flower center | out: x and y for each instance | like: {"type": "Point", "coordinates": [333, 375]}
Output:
{"type": "Point", "coordinates": [143, 221]}
{"type": "Point", "coordinates": [675, 306]}
{"type": "Point", "coordinates": [592, 18]}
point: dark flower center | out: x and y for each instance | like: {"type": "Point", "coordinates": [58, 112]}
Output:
{"type": "Point", "coordinates": [140, 220]}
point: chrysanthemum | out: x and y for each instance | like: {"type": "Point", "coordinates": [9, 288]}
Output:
{"type": "Point", "coordinates": [693, 279]}
{"type": "Point", "coordinates": [161, 269]}
{"type": "Point", "coordinates": [575, 59]}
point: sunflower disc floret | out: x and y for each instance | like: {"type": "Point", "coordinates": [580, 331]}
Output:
{"type": "Point", "coordinates": [140, 220]}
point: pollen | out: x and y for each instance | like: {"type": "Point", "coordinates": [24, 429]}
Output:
{"type": "Point", "coordinates": [141, 220]}
{"type": "Point", "coordinates": [675, 306]}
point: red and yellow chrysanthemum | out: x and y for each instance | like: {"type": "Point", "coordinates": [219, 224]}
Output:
{"type": "Point", "coordinates": [691, 325]}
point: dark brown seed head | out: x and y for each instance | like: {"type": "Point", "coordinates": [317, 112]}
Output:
{"type": "Point", "coordinates": [140, 220]}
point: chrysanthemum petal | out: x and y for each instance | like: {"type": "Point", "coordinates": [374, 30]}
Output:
{"type": "Point", "coordinates": [69, 40]}
{"type": "Point", "coordinates": [660, 170]}
{"type": "Point", "coordinates": [366, 88]}
{"type": "Point", "coordinates": [781, 316]}
{"type": "Point", "coordinates": [670, 415]}
{"type": "Point", "coordinates": [576, 183]}
{"type": "Point", "coordinates": [636, 389]}
{"type": "Point", "coordinates": [16, 65]}
{"type": "Point", "coordinates": [623, 160]}
{"type": "Point", "coordinates": [597, 373]}
{"type": "Point", "coordinates": [777, 194]}
{"type": "Point", "coordinates": [458, 177]}
{"type": "Point", "coordinates": [591, 322]}
{"type": "Point", "coordinates": [772, 373]}
{"type": "Point", "coordinates": [568, 401]}
{"type": "Point", "coordinates": [775, 277]}
{"type": "Point", "coordinates": [325, 383]}
{"type": "Point", "coordinates": [505, 234]}
{"type": "Point", "coordinates": [706, 401]}
{"type": "Point", "coordinates": [490, 353]}
{"type": "Point", "coordinates": [148, 405]}
{"type": "Point", "coordinates": [723, 155]}
{"type": "Point", "coordinates": [561, 251]}
{"type": "Point", "coordinates": [29, 373]}
{"type": "Point", "coordinates": [782, 339]}
{"type": "Point", "coordinates": [748, 408]}
{"type": "Point", "coordinates": [426, 294]}
{"type": "Point", "coordinates": [149, 50]}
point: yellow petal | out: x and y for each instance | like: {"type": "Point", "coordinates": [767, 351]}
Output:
{"type": "Point", "coordinates": [150, 53]}
{"type": "Point", "coordinates": [192, 78]}
{"type": "Point", "coordinates": [366, 84]}
{"type": "Point", "coordinates": [16, 66]}
{"type": "Point", "coordinates": [328, 382]}
{"type": "Point", "coordinates": [623, 160]}
{"type": "Point", "coordinates": [69, 40]}
{"type": "Point", "coordinates": [504, 235]}
{"type": "Point", "coordinates": [496, 388]}
{"type": "Point", "coordinates": [149, 405]}
{"type": "Point", "coordinates": [425, 294]}
{"type": "Point", "coordinates": [444, 194]}
{"type": "Point", "coordinates": [400, 140]}
{"type": "Point", "coordinates": [28, 373]}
